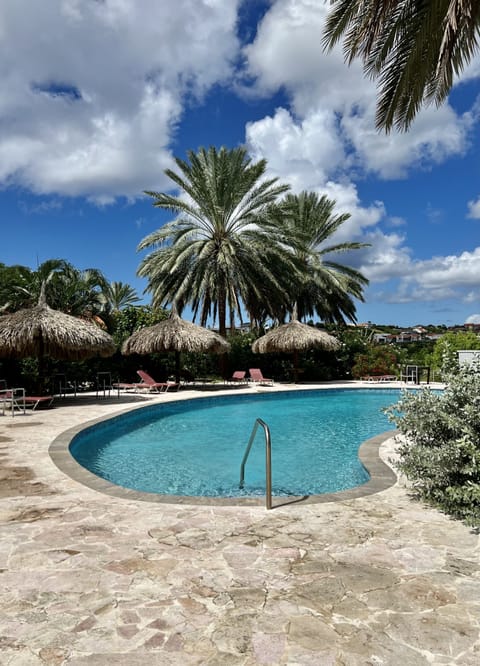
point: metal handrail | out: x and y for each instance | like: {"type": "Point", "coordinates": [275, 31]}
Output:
{"type": "Point", "coordinates": [268, 460]}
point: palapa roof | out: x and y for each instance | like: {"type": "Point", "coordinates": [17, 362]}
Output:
{"type": "Point", "coordinates": [174, 334]}
{"type": "Point", "coordinates": [43, 331]}
{"type": "Point", "coordinates": [295, 336]}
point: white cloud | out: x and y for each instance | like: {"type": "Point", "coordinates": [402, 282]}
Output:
{"type": "Point", "coordinates": [396, 221]}
{"type": "Point", "coordinates": [43, 207]}
{"type": "Point", "coordinates": [305, 152]}
{"type": "Point", "coordinates": [473, 319]}
{"type": "Point", "coordinates": [296, 157]}
{"type": "Point", "coordinates": [474, 209]}
{"type": "Point", "coordinates": [434, 215]}
{"type": "Point", "coordinates": [287, 53]}
{"type": "Point", "coordinates": [92, 91]}
{"type": "Point", "coordinates": [387, 258]}
{"type": "Point", "coordinates": [326, 139]}
{"type": "Point", "coordinates": [471, 71]}
{"type": "Point", "coordinates": [471, 296]}
{"type": "Point", "coordinates": [439, 278]}
{"type": "Point", "coordinates": [435, 135]}
{"type": "Point", "coordinates": [456, 270]}
{"type": "Point", "coordinates": [304, 155]}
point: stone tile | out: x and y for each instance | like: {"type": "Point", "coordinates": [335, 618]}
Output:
{"type": "Point", "coordinates": [95, 579]}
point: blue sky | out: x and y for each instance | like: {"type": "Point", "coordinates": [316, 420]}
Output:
{"type": "Point", "coordinates": [98, 96]}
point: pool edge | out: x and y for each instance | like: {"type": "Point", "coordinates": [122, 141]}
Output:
{"type": "Point", "coordinates": [382, 476]}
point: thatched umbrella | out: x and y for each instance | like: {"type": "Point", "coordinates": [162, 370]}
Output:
{"type": "Point", "coordinates": [41, 331]}
{"type": "Point", "coordinates": [295, 337]}
{"type": "Point", "coordinates": [177, 335]}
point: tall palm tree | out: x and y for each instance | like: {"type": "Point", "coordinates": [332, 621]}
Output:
{"type": "Point", "coordinates": [221, 250]}
{"type": "Point", "coordinates": [413, 47]}
{"type": "Point", "coordinates": [325, 287]}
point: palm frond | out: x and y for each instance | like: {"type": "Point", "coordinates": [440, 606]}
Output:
{"type": "Point", "coordinates": [413, 48]}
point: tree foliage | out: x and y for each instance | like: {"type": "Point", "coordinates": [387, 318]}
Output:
{"type": "Point", "coordinates": [118, 295]}
{"type": "Point", "coordinates": [221, 249]}
{"type": "Point", "coordinates": [412, 48]}
{"type": "Point", "coordinates": [133, 317]}
{"type": "Point", "coordinates": [446, 348]}
{"type": "Point", "coordinates": [441, 450]}
{"type": "Point", "coordinates": [235, 244]}
{"type": "Point", "coordinates": [81, 293]}
{"type": "Point", "coordinates": [375, 360]}
{"type": "Point", "coordinates": [323, 286]}
{"type": "Point", "coordinates": [69, 289]}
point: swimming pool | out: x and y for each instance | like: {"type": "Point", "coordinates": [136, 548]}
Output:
{"type": "Point", "coordinates": [195, 447]}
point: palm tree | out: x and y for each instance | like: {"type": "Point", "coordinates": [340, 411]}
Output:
{"type": "Point", "coordinates": [22, 285]}
{"type": "Point", "coordinates": [65, 288]}
{"type": "Point", "coordinates": [413, 47]}
{"type": "Point", "coordinates": [11, 296]}
{"type": "Point", "coordinates": [221, 250]}
{"type": "Point", "coordinates": [76, 292]}
{"type": "Point", "coordinates": [118, 295]}
{"type": "Point", "coordinates": [325, 287]}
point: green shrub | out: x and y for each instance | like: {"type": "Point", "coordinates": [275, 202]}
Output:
{"type": "Point", "coordinates": [441, 451]}
{"type": "Point", "coordinates": [375, 360]}
{"type": "Point", "coordinates": [445, 355]}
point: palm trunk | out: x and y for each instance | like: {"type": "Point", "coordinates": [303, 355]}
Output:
{"type": "Point", "coordinates": [222, 328]}
{"type": "Point", "coordinates": [222, 313]}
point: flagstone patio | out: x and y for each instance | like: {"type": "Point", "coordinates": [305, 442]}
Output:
{"type": "Point", "coordinates": [93, 579]}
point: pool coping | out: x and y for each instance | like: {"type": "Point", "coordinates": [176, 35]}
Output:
{"type": "Point", "coordinates": [382, 476]}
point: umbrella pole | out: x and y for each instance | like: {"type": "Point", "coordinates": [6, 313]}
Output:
{"type": "Point", "coordinates": [177, 367]}
{"type": "Point", "coordinates": [222, 364]}
{"type": "Point", "coordinates": [41, 366]}
{"type": "Point", "coordinates": [295, 366]}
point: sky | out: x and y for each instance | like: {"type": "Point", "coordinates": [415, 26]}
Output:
{"type": "Point", "coordinates": [99, 96]}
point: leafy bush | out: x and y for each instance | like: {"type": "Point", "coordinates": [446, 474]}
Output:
{"type": "Point", "coordinates": [375, 360]}
{"type": "Point", "coordinates": [133, 317]}
{"type": "Point", "coordinates": [441, 451]}
{"type": "Point", "coordinates": [445, 355]}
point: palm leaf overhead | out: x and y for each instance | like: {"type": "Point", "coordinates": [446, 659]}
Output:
{"type": "Point", "coordinates": [414, 48]}
{"type": "Point", "coordinates": [221, 249]}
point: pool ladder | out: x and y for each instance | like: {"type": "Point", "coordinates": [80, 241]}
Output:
{"type": "Point", "coordinates": [268, 460]}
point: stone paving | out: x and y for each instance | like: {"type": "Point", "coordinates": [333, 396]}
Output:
{"type": "Point", "coordinates": [93, 579]}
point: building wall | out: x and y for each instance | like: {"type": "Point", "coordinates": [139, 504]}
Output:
{"type": "Point", "coordinates": [468, 355]}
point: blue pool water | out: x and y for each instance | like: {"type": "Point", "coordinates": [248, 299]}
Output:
{"type": "Point", "coordinates": [196, 447]}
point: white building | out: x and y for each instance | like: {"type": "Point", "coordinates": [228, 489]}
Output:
{"type": "Point", "coordinates": [468, 356]}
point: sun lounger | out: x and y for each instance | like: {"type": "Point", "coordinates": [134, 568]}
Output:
{"type": "Point", "coordinates": [238, 377]}
{"type": "Point", "coordinates": [124, 386]}
{"type": "Point", "coordinates": [36, 400]}
{"type": "Point", "coordinates": [11, 398]}
{"type": "Point", "coordinates": [257, 377]}
{"type": "Point", "coordinates": [156, 387]}
{"type": "Point", "coordinates": [149, 383]}
{"type": "Point", "coordinates": [15, 398]}
{"type": "Point", "coordinates": [380, 378]}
